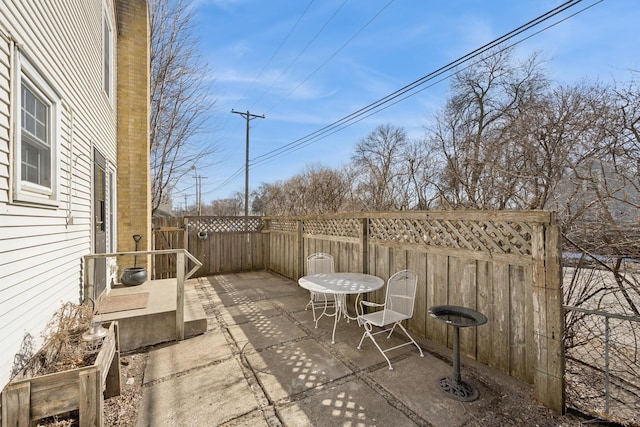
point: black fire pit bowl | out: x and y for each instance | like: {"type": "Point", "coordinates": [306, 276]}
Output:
{"type": "Point", "coordinates": [133, 276]}
{"type": "Point", "coordinates": [457, 317]}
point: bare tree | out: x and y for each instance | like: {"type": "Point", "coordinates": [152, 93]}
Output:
{"type": "Point", "coordinates": [180, 96]}
{"type": "Point", "coordinates": [226, 207]}
{"type": "Point", "coordinates": [324, 190]}
{"type": "Point", "coordinates": [607, 233]}
{"type": "Point", "coordinates": [382, 179]}
{"type": "Point", "coordinates": [470, 131]}
{"type": "Point", "coordinates": [317, 190]}
{"type": "Point", "coordinates": [259, 200]}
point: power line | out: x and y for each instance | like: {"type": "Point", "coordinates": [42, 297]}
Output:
{"type": "Point", "coordinates": [237, 173]}
{"type": "Point", "coordinates": [344, 45]}
{"type": "Point", "coordinates": [378, 105]}
{"type": "Point", "coordinates": [303, 50]}
{"type": "Point", "coordinates": [276, 52]}
{"type": "Point", "coordinates": [229, 180]}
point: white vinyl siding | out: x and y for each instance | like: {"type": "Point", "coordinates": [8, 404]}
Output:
{"type": "Point", "coordinates": [41, 247]}
{"type": "Point", "coordinates": [4, 117]}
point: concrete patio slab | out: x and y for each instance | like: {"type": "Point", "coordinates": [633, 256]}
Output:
{"type": "Point", "coordinates": [291, 303]}
{"type": "Point", "coordinates": [265, 332]}
{"type": "Point", "coordinates": [353, 403]}
{"type": "Point", "coordinates": [235, 297]}
{"type": "Point", "coordinates": [295, 367]}
{"type": "Point", "coordinates": [325, 324]}
{"type": "Point", "coordinates": [249, 312]}
{"type": "Point", "coordinates": [347, 341]}
{"type": "Point", "coordinates": [348, 336]}
{"type": "Point", "coordinates": [185, 355]}
{"type": "Point", "coordinates": [209, 396]}
{"type": "Point", "coordinates": [251, 280]}
{"type": "Point", "coordinates": [253, 419]}
{"type": "Point", "coordinates": [418, 376]}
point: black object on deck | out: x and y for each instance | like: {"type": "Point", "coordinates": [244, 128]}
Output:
{"type": "Point", "coordinates": [458, 317]}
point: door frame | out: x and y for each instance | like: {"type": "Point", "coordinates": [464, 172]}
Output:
{"type": "Point", "coordinates": [100, 221]}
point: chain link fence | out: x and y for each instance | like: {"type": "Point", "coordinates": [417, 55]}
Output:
{"type": "Point", "coordinates": [602, 333]}
{"type": "Point", "coordinates": [602, 364]}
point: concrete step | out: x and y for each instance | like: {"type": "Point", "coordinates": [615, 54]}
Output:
{"type": "Point", "coordinates": [195, 318]}
{"type": "Point", "coordinates": [156, 323]}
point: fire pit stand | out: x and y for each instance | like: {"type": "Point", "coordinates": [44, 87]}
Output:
{"type": "Point", "coordinates": [458, 317]}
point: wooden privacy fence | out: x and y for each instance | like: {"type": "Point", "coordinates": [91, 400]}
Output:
{"type": "Point", "coordinates": [220, 243]}
{"type": "Point", "coordinates": [504, 264]}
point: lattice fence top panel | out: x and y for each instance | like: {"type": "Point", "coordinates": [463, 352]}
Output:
{"type": "Point", "coordinates": [343, 227]}
{"type": "Point", "coordinates": [284, 225]}
{"type": "Point", "coordinates": [225, 224]}
{"type": "Point", "coordinates": [494, 236]}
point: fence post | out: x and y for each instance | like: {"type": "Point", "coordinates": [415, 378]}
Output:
{"type": "Point", "coordinates": [89, 275]}
{"type": "Point", "coordinates": [153, 248]}
{"type": "Point", "coordinates": [180, 265]}
{"type": "Point", "coordinates": [185, 239]}
{"type": "Point", "coordinates": [299, 250]}
{"type": "Point", "coordinates": [548, 317]}
{"type": "Point", "coordinates": [266, 244]}
{"type": "Point", "coordinates": [364, 245]}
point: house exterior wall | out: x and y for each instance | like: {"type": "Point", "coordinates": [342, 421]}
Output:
{"type": "Point", "coordinates": [42, 245]}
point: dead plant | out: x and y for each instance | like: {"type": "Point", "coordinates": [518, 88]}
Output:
{"type": "Point", "coordinates": [64, 348]}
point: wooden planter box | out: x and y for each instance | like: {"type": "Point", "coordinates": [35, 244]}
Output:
{"type": "Point", "coordinates": [29, 399]}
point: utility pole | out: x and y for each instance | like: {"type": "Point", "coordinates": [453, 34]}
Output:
{"type": "Point", "coordinates": [248, 116]}
{"type": "Point", "coordinates": [199, 192]}
{"type": "Point", "coordinates": [196, 201]}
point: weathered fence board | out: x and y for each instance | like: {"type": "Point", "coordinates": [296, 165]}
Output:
{"type": "Point", "coordinates": [418, 263]}
{"type": "Point", "coordinates": [501, 318]}
{"type": "Point", "coordinates": [221, 244]}
{"type": "Point", "coordinates": [520, 325]}
{"type": "Point", "coordinates": [462, 273]}
{"type": "Point", "coordinates": [485, 305]}
{"type": "Point", "coordinates": [438, 268]}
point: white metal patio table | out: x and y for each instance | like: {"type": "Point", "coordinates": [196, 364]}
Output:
{"type": "Point", "coordinates": [340, 285]}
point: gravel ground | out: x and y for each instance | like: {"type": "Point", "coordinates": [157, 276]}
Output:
{"type": "Point", "coordinates": [123, 410]}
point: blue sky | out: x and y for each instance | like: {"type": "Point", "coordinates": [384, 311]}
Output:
{"type": "Point", "coordinates": [306, 64]}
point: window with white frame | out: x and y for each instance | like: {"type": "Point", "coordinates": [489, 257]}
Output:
{"type": "Point", "coordinates": [36, 144]}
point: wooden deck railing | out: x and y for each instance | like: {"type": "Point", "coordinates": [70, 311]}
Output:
{"type": "Point", "coordinates": [504, 264]}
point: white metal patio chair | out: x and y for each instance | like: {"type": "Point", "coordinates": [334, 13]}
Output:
{"type": "Point", "coordinates": [398, 306]}
{"type": "Point", "coordinates": [320, 262]}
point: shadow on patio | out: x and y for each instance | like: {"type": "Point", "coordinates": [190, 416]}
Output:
{"type": "Point", "coordinates": [262, 362]}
